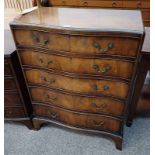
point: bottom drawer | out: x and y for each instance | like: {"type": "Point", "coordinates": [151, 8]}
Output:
{"type": "Point", "coordinates": [14, 112]}
{"type": "Point", "coordinates": [80, 120]}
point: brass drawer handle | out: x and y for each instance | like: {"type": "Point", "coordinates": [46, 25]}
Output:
{"type": "Point", "coordinates": [85, 3]}
{"type": "Point", "coordinates": [106, 88]}
{"type": "Point", "coordinates": [139, 4]}
{"type": "Point", "coordinates": [63, 3]}
{"type": "Point", "coordinates": [103, 50]}
{"type": "Point", "coordinates": [102, 106]}
{"type": "Point", "coordinates": [94, 86]}
{"type": "Point", "coordinates": [48, 97]}
{"type": "Point", "coordinates": [114, 4]}
{"type": "Point", "coordinates": [49, 62]}
{"type": "Point", "coordinates": [105, 69]}
{"type": "Point", "coordinates": [37, 40]}
{"type": "Point", "coordinates": [96, 67]}
{"type": "Point", "coordinates": [98, 124]}
{"type": "Point", "coordinates": [42, 62]}
{"type": "Point", "coordinates": [46, 80]}
{"type": "Point", "coordinates": [53, 115]}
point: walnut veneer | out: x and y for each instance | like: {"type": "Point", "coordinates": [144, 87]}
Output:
{"type": "Point", "coordinates": [80, 74]}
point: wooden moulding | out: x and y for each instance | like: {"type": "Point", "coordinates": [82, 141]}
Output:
{"type": "Point", "coordinates": [67, 31]}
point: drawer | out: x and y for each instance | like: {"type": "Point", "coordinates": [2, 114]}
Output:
{"type": "Point", "coordinates": [104, 45]}
{"type": "Point", "coordinates": [136, 4]}
{"type": "Point", "coordinates": [63, 2]}
{"type": "Point", "coordinates": [102, 67]}
{"type": "Point", "coordinates": [86, 86]}
{"type": "Point", "coordinates": [14, 112]}
{"type": "Point", "coordinates": [7, 69]}
{"type": "Point", "coordinates": [146, 14]}
{"type": "Point", "coordinates": [78, 44]}
{"type": "Point", "coordinates": [101, 3]}
{"type": "Point", "coordinates": [41, 39]}
{"type": "Point", "coordinates": [80, 120]}
{"type": "Point", "coordinates": [9, 83]}
{"type": "Point", "coordinates": [78, 103]}
{"type": "Point", "coordinates": [12, 99]}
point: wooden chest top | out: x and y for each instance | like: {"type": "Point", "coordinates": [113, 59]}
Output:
{"type": "Point", "coordinates": [84, 19]}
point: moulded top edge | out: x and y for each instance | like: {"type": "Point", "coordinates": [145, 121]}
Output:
{"type": "Point", "coordinates": [84, 19]}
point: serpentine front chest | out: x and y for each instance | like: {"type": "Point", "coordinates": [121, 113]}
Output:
{"type": "Point", "coordinates": [80, 66]}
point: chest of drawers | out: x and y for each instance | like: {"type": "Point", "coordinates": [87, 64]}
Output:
{"type": "Point", "coordinates": [80, 73]}
{"type": "Point", "coordinates": [13, 101]}
{"type": "Point", "coordinates": [15, 108]}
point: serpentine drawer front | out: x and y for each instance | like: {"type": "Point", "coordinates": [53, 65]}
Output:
{"type": "Point", "coordinates": [78, 103]}
{"type": "Point", "coordinates": [77, 44]}
{"type": "Point", "coordinates": [80, 73]}
{"type": "Point", "coordinates": [98, 87]}
{"type": "Point", "coordinates": [79, 120]}
{"type": "Point", "coordinates": [102, 67]}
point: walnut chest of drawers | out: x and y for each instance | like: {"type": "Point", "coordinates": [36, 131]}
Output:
{"type": "Point", "coordinates": [80, 73]}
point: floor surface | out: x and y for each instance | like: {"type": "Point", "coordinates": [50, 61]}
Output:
{"type": "Point", "coordinates": [50, 140]}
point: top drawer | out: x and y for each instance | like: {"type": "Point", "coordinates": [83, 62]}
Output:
{"type": "Point", "coordinates": [78, 44]}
